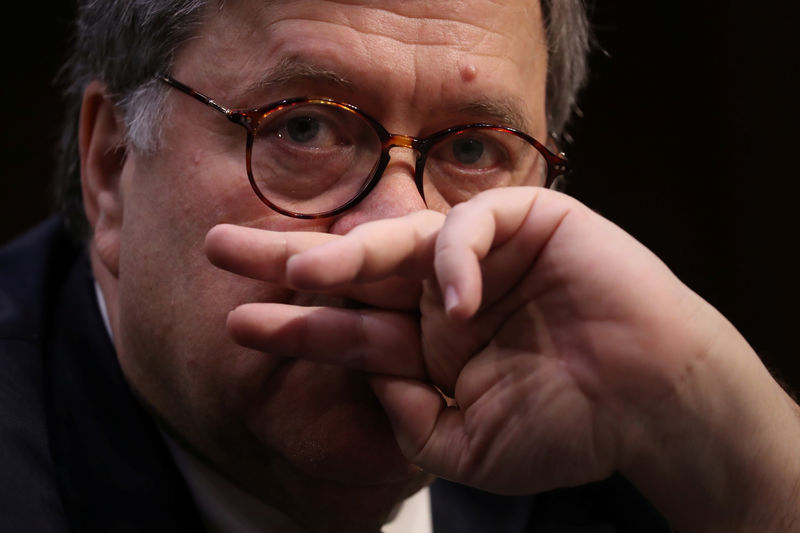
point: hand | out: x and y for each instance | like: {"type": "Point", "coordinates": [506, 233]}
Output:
{"type": "Point", "coordinates": [566, 350]}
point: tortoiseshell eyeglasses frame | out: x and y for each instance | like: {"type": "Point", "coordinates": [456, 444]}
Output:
{"type": "Point", "coordinates": [557, 164]}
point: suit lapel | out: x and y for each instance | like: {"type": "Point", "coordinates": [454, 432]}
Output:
{"type": "Point", "coordinates": [114, 471]}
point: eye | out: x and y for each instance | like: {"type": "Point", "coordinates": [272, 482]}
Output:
{"type": "Point", "coordinates": [467, 161]}
{"type": "Point", "coordinates": [467, 151]}
{"type": "Point", "coordinates": [472, 151]}
{"type": "Point", "coordinates": [313, 157]}
{"type": "Point", "coordinates": [309, 127]}
{"type": "Point", "coordinates": [302, 129]}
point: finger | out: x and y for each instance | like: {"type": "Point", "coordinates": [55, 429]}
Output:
{"type": "Point", "coordinates": [486, 224]}
{"type": "Point", "coordinates": [557, 240]}
{"type": "Point", "coordinates": [261, 254]}
{"type": "Point", "coordinates": [395, 294]}
{"type": "Point", "coordinates": [369, 340]}
{"type": "Point", "coordinates": [256, 253]}
{"type": "Point", "coordinates": [510, 265]}
{"type": "Point", "coordinates": [372, 251]}
{"type": "Point", "coordinates": [428, 432]}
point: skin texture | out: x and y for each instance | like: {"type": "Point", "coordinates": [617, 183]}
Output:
{"type": "Point", "coordinates": [555, 377]}
{"type": "Point", "coordinates": [290, 431]}
{"type": "Point", "coordinates": [307, 360]}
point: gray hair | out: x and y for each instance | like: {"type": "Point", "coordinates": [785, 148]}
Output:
{"type": "Point", "coordinates": [568, 39]}
{"type": "Point", "coordinates": [126, 44]}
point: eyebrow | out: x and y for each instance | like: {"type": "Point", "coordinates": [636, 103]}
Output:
{"type": "Point", "coordinates": [506, 111]}
{"type": "Point", "coordinates": [294, 69]}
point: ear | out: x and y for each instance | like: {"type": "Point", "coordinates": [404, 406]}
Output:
{"type": "Point", "coordinates": [102, 151]}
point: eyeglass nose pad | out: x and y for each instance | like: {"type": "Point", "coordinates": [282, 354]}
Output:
{"type": "Point", "coordinates": [406, 141]}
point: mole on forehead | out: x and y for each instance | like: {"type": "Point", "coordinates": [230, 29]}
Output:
{"type": "Point", "coordinates": [506, 111]}
{"type": "Point", "coordinates": [469, 72]}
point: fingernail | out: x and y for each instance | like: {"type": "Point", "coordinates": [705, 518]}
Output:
{"type": "Point", "coordinates": [451, 299]}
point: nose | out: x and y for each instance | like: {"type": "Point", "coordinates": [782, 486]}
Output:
{"type": "Point", "coordinates": [395, 195]}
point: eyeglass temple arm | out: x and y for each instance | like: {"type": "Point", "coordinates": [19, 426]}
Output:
{"type": "Point", "coordinates": [194, 94]}
{"type": "Point", "coordinates": [557, 163]}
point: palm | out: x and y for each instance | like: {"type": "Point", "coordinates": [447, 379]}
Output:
{"type": "Point", "coordinates": [558, 337]}
{"type": "Point", "coordinates": [549, 357]}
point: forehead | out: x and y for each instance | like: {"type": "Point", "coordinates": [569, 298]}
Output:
{"type": "Point", "coordinates": [476, 54]}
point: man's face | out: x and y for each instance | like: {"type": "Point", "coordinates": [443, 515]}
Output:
{"type": "Point", "coordinates": [417, 67]}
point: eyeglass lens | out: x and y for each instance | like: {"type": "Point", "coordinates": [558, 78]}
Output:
{"type": "Point", "coordinates": [313, 158]}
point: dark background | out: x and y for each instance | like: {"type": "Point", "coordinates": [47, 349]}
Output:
{"type": "Point", "coordinates": [687, 140]}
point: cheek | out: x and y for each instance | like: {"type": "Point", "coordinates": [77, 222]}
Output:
{"type": "Point", "coordinates": [173, 303]}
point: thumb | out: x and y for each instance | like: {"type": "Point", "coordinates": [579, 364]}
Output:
{"type": "Point", "coordinates": [429, 433]}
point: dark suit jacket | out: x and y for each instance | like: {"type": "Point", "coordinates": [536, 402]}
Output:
{"type": "Point", "coordinates": [79, 453]}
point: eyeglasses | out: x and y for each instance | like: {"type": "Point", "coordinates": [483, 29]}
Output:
{"type": "Point", "coordinates": [316, 157]}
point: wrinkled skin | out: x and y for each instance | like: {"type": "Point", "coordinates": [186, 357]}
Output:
{"type": "Point", "coordinates": [308, 438]}
{"type": "Point", "coordinates": [566, 349]}
{"type": "Point", "coordinates": [569, 351]}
